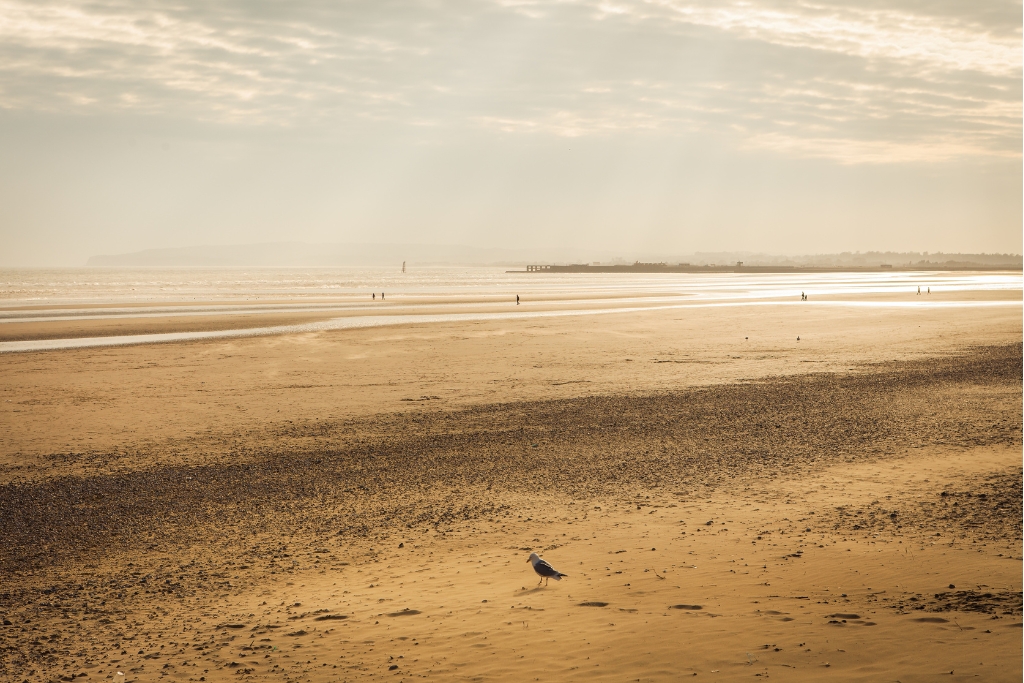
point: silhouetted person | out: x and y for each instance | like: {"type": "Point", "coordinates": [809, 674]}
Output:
{"type": "Point", "coordinates": [374, 295]}
{"type": "Point", "coordinates": [919, 290]}
{"type": "Point", "coordinates": [382, 296]}
{"type": "Point", "coordinates": [517, 299]}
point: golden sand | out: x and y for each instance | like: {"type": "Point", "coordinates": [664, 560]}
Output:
{"type": "Point", "coordinates": [727, 502]}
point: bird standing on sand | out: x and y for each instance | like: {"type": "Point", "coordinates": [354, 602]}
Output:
{"type": "Point", "coordinates": [544, 570]}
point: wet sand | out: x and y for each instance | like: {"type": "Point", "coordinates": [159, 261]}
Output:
{"type": "Point", "coordinates": [727, 502]}
{"type": "Point", "coordinates": [24, 323]}
{"type": "Point", "coordinates": [110, 327]}
{"type": "Point", "coordinates": [157, 402]}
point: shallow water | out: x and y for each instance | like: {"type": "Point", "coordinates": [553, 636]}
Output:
{"type": "Point", "coordinates": [84, 286]}
{"type": "Point", "coordinates": [450, 294]}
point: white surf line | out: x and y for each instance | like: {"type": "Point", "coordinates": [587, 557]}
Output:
{"type": "Point", "coordinates": [357, 322]}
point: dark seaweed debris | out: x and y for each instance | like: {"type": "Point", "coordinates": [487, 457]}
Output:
{"type": "Point", "coordinates": [348, 479]}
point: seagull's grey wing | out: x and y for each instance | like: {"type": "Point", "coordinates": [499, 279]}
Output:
{"type": "Point", "coordinates": [544, 569]}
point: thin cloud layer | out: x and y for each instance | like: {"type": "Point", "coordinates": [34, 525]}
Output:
{"type": "Point", "coordinates": [852, 82]}
{"type": "Point", "coordinates": [917, 42]}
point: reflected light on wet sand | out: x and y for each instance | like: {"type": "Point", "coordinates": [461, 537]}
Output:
{"type": "Point", "coordinates": [445, 296]}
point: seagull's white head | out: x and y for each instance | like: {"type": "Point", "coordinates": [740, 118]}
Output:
{"type": "Point", "coordinates": [534, 558]}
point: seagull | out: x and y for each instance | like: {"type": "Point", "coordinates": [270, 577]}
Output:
{"type": "Point", "coordinates": [544, 570]}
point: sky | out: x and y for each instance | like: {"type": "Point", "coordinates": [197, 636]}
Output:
{"type": "Point", "coordinates": [626, 126]}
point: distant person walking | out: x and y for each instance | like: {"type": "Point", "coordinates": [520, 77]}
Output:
{"type": "Point", "coordinates": [374, 295]}
{"type": "Point", "coordinates": [919, 290]}
{"type": "Point", "coordinates": [382, 296]}
{"type": "Point", "coordinates": [517, 299]}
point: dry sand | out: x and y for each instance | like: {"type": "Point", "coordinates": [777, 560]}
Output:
{"type": "Point", "coordinates": [727, 502]}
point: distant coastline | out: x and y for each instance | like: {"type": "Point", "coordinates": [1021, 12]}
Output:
{"type": "Point", "coordinates": [565, 260]}
{"type": "Point", "coordinates": [739, 267]}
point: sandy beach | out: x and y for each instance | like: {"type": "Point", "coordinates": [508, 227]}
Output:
{"type": "Point", "coordinates": [475, 342]}
{"type": "Point", "coordinates": [727, 501]}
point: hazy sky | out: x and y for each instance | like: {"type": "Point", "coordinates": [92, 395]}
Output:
{"type": "Point", "coordinates": [765, 125]}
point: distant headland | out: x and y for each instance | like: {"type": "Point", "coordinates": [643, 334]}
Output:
{"type": "Point", "coordinates": [549, 260]}
{"type": "Point", "coordinates": [741, 267]}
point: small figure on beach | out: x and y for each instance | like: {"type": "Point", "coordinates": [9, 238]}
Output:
{"type": "Point", "coordinates": [517, 299]}
{"type": "Point", "coordinates": [382, 296]}
{"type": "Point", "coordinates": [919, 290]}
{"type": "Point", "coordinates": [544, 570]}
{"type": "Point", "coordinates": [803, 296]}
{"type": "Point", "coordinates": [374, 295]}
{"type": "Point", "coordinates": [929, 290]}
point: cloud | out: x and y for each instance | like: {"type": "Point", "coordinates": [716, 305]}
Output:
{"type": "Point", "coordinates": [899, 37]}
{"type": "Point", "coordinates": [854, 82]}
